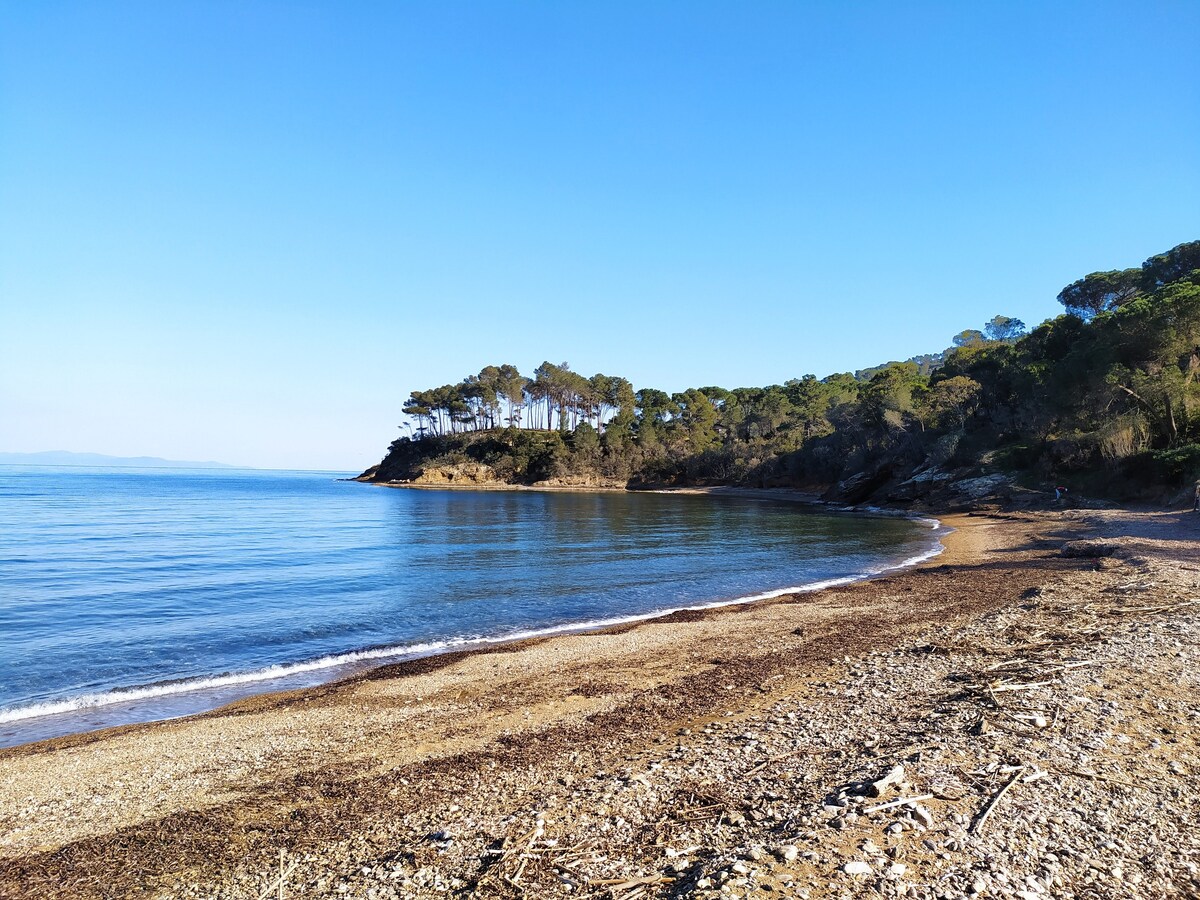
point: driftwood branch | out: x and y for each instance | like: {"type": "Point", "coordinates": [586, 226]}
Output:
{"type": "Point", "coordinates": [1095, 775]}
{"type": "Point", "coordinates": [900, 802]}
{"type": "Point", "coordinates": [991, 805]}
{"type": "Point", "coordinates": [278, 882]}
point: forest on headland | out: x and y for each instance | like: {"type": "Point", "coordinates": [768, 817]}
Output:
{"type": "Point", "coordinates": [1103, 399]}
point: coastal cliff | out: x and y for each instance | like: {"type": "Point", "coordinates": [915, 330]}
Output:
{"type": "Point", "coordinates": [457, 462]}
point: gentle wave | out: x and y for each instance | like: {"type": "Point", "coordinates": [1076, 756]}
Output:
{"type": "Point", "coordinates": [413, 651]}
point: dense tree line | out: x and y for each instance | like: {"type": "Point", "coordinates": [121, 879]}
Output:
{"type": "Point", "coordinates": [554, 398]}
{"type": "Point", "coordinates": [1108, 390]}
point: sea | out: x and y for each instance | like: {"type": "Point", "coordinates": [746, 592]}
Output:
{"type": "Point", "coordinates": [131, 595]}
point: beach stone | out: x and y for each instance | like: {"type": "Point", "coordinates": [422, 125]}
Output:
{"type": "Point", "coordinates": [877, 788]}
{"type": "Point", "coordinates": [856, 867]}
{"type": "Point", "coordinates": [787, 852]}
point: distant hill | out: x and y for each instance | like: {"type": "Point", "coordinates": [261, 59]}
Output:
{"type": "Point", "coordinates": [66, 458]}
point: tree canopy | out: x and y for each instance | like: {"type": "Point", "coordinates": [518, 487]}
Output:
{"type": "Point", "coordinates": [1111, 382]}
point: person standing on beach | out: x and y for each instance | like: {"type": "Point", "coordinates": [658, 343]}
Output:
{"type": "Point", "coordinates": [1196, 498]}
{"type": "Point", "coordinates": [1059, 491]}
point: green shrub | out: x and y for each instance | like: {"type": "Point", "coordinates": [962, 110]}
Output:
{"type": "Point", "coordinates": [1175, 467]}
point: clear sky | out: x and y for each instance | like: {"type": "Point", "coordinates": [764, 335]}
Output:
{"type": "Point", "coordinates": [245, 231]}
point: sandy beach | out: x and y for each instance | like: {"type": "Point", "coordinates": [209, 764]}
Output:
{"type": "Point", "coordinates": [1006, 720]}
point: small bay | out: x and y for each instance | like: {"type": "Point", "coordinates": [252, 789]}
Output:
{"type": "Point", "coordinates": [129, 595]}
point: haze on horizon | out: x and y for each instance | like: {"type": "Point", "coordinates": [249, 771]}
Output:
{"type": "Point", "coordinates": [244, 232]}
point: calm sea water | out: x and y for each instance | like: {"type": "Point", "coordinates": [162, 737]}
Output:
{"type": "Point", "coordinates": [129, 595]}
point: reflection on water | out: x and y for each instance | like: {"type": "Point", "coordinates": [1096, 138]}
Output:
{"type": "Point", "coordinates": [134, 580]}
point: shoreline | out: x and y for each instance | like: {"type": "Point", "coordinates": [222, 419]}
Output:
{"type": "Point", "coordinates": [421, 663]}
{"type": "Point", "coordinates": [786, 494]}
{"type": "Point", "coordinates": [780, 495]}
{"type": "Point", "coordinates": [398, 781]}
{"type": "Point", "coordinates": [230, 688]}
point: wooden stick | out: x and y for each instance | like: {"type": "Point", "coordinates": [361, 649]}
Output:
{"type": "Point", "coordinates": [900, 802]}
{"type": "Point", "coordinates": [1028, 726]}
{"type": "Point", "coordinates": [278, 882]}
{"type": "Point", "coordinates": [621, 884]}
{"type": "Point", "coordinates": [762, 765]}
{"type": "Point", "coordinates": [1159, 608]}
{"type": "Point", "coordinates": [701, 818]}
{"type": "Point", "coordinates": [1020, 687]}
{"type": "Point", "coordinates": [977, 825]}
{"type": "Point", "coordinates": [563, 867]}
{"type": "Point", "coordinates": [516, 876]}
{"type": "Point", "coordinates": [1095, 775]}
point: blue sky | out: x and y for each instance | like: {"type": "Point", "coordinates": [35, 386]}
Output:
{"type": "Point", "coordinates": [244, 231]}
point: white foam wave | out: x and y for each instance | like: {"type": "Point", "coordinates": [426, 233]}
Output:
{"type": "Point", "coordinates": [270, 673]}
{"type": "Point", "coordinates": [412, 651]}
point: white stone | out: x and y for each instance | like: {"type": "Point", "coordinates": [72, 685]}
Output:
{"type": "Point", "coordinates": [895, 776]}
{"type": "Point", "coordinates": [788, 852]}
